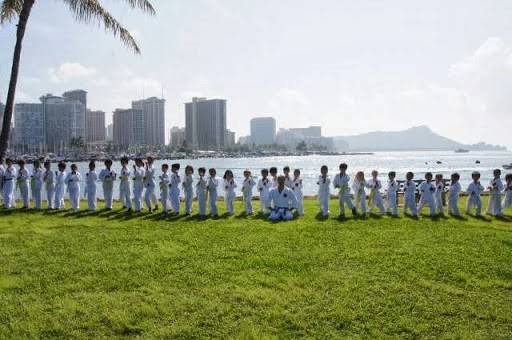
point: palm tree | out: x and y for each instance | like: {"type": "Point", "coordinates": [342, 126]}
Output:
{"type": "Point", "coordinates": [86, 11]}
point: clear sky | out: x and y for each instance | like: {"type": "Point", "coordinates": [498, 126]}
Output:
{"type": "Point", "coordinates": [350, 66]}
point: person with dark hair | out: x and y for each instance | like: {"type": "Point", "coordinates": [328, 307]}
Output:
{"type": "Point", "coordinates": [164, 183]}
{"type": "Point", "coordinates": [273, 176]}
{"type": "Point", "coordinates": [212, 186]}
{"type": "Point", "coordinates": [287, 177]}
{"type": "Point", "coordinates": [8, 178]}
{"type": "Point", "coordinates": [427, 190]}
{"type": "Point", "coordinates": [36, 184]}
{"type": "Point", "coordinates": [474, 191]}
{"type": "Point", "coordinates": [264, 186]}
{"type": "Point", "coordinates": [229, 191]}
{"type": "Point", "coordinates": [72, 180]}
{"type": "Point", "coordinates": [49, 181]}
{"type": "Point", "coordinates": [60, 185]}
{"type": "Point", "coordinates": [108, 176]}
{"type": "Point", "coordinates": [149, 185]}
{"type": "Point", "coordinates": [91, 177]}
{"type": "Point", "coordinates": [359, 187]}
{"type": "Point", "coordinates": [138, 184]}
{"type": "Point", "coordinates": [324, 193]}
{"type": "Point", "coordinates": [247, 186]}
{"type": "Point", "coordinates": [22, 182]}
{"type": "Point", "coordinates": [282, 202]}
{"type": "Point", "coordinates": [201, 191]}
{"type": "Point", "coordinates": [453, 195]}
{"type": "Point", "coordinates": [507, 201]}
{"type": "Point", "coordinates": [392, 190]}
{"type": "Point", "coordinates": [175, 188]}
{"type": "Point", "coordinates": [438, 194]}
{"type": "Point", "coordinates": [410, 195]}
{"type": "Point", "coordinates": [124, 185]}
{"type": "Point", "coordinates": [341, 182]}
{"type": "Point", "coordinates": [188, 188]}
{"type": "Point", "coordinates": [495, 189]}
{"type": "Point", "coordinates": [375, 197]}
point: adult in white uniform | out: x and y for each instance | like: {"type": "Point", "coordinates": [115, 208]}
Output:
{"type": "Point", "coordinates": [107, 177]}
{"type": "Point", "coordinates": [283, 200]}
{"type": "Point", "coordinates": [324, 192]}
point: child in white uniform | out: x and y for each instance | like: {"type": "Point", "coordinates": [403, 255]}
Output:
{"type": "Point", "coordinates": [453, 195]}
{"type": "Point", "coordinates": [474, 191]}
{"type": "Point", "coordinates": [90, 186]}
{"type": "Point", "coordinates": [375, 197]}
{"type": "Point", "coordinates": [341, 182]}
{"type": "Point", "coordinates": [438, 195]}
{"type": "Point", "coordinates": [495, 189]}
{"type": "Point", "coordinates": [124, 185]}
{"type": "Point", "coordinates": [507, 201]}
{"type": "Point", "coordinates": [149, 185]}
{"type": "Point", "coordinates": [427, 190]}
{"type": "Point", "coordinates": [164, 183]}
{"type": "Point", "coordinates": [108, 176]}
{"type": "Point", "coordinates": [8, 178]}
{"type": "Point", "coordinates": [287, 177]}
{"type": "Point", "coordinates": [73, 183]}
{"type": "Point", "coordinates": [410, 195]}
{"type": "Point", "coordinates": [358, 186]}
{"type": "Point", "coordinates": [201, 192]}
{"type": "Point", "coordinates": [283, 201]}
{"type": "Point", "coordinates": [175, 188]}
{"type": "Point", "coordinates": [188, 189]}
{"type": "Point", "coordinates": [36, 184]}
{"type": "Point", "coordinates": [60, 185]}
{"type": "Point", "coordinates": [49, 181]}
{"type": "Point", "coordinates": [391, 196]}
{"type": "Point", "coordinates": [297, 190]}
{"type": "Point", "coordinates": [273, 176]}
{"type": "Point", "coordinates": [212, 186]}
{"type": "Point", "coordinates": [22, 181]}
{"type": "Point", "coordinates": [247, 186]}
{"type": "Point", "coordinates": [229, 191]}
{"type": "Point", "coordinates": [324, 193]}
{"type": "Point", "coordinates": [264, 186]}
{"type": "Point", "coordinates": [138, 184]}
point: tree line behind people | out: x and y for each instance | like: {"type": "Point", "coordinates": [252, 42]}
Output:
{"type": "Point", "coordinates": [281, 196]}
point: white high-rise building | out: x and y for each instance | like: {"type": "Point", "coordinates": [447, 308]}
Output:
{"type": "Point", "coordinates": [263, 130]}
{"type": "Point", "coordinates": [205, 123]}
{"type": "Point", "coordinates": [29, 122]}
{"type": "Point", "coordinates": [95, 126]}
{"type": "Point", "coordinates": [128, 127]}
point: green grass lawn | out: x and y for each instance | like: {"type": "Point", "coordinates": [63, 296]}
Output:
{"type": "Point", "coordinates": [65, 274]}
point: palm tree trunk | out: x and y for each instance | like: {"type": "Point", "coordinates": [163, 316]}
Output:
{"type": "Point", "coordinates": [9, 105]}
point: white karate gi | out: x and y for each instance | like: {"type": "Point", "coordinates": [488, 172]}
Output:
{"type": "Point", "coordinates": [438, 198]}
{"type": "Point", "coordinates": [124, 188]}
{"type": "Point", "coordinates": [391, 200]}
{"type": "Point", "coordinates": [175, 192]}
{"type": "Point", "coordinates": [496, 187]}
{"type": "Point", "coordinates": [36, 185]}
{"type": "Point", "coordinates": [149, 185]}
{"type": "Point", "coordinates": [288, 181]}
{"type": "Point", "coordinates": [188, 191]}
{"type": "Point", "coordinates": [324, 194]}
{"type": "Point", "coordinates": [73, 182]}
{"type": "Point", "coordinates": [201, 194]}
{"type": "Point", "coordinates": [49, 181]}
{"type": "Point", "coordinates": [247, 187]}
{"type": "Point", "coordinates": [264, 186]}
{"type": "Point", "coordinates": [297, 190]}
{"type": "Point", "coordinates": [375, 197]}
{"type": "Point", "coordinates": [60, 189]}
{"type": "Point", "coordinates": [138, 185]}
{"type": "Point", "coordinates": [229, 194]}
{"type": "Point", "coordinates": [22, 181]}
{"type": "Point", "coordinates": [341, 182]}
{"type": "Point", "coordinates": [107, 177]}
{"type": "Point", "coordinates": [453, 199]}
{"type": "Point", "coordinates": [283, 201]}
{"type": "Point", "coordinates": [90, 189]}
{"type": "Point", "coordinates": [359, 194]}
{"type": "Point", "coordinates": [410, 197]}
{"type": "Point", "coordinates": [507, 200]}
{"type": "Point", "coordinates": [474, 191]}
{"type": "Point", "coordinates": [212, 186]}
{"type": "Point", "coordinates": [8, 178]}
{"type": "Point", "coordinates": [427, 190]}
{"type": "Point", "coordinates": [165, 180]}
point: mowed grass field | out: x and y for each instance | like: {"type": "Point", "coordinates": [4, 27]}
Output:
{"type": "Point", "coordinates": [109, 274]}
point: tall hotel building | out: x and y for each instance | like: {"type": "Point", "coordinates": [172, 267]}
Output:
{"type": "Point", "coordinates": [205, 123]}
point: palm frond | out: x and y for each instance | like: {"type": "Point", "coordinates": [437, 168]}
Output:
{"type": "Point", "coordinates": [143, 5]}
{"type": "Point", "coordinates": [88, 11]}
{"type": "Point", "coordinates": [9, 9]}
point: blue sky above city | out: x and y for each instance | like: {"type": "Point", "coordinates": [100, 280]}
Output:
{"type": "Point", "coordinates": [350, 66]}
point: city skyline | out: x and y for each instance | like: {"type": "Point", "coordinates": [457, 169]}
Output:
{"type": "Point", "coordinates": [445, 64]}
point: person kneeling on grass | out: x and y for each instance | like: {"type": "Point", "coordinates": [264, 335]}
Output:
{"type": "Point", "coordinates": [283, 201]}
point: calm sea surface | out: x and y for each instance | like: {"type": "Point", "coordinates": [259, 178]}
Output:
{"type": "Point", "coordinates": [419, 162]}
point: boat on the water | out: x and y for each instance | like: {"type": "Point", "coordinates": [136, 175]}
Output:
{"type": "Point", "coordinates": [461, 151]}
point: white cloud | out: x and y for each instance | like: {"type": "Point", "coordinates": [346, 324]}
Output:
{"type": "Point", "coordinates": [70, 71]}
{"type": "Point", "coordinates": [291, 108]}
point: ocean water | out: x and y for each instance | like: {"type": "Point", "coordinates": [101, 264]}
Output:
{"type": "Point", "coordinates": [418, 162]}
